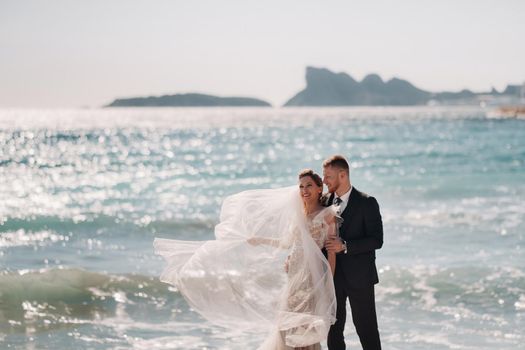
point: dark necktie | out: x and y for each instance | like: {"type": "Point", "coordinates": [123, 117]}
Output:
{"type": "Point", "coordinates": [337, 201]}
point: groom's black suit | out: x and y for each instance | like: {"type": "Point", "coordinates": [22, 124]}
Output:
{"type": "Point", "coordinates": [355, 271]}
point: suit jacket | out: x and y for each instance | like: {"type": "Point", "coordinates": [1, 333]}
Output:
{"type": "Point", "coordinates": [362, 229]}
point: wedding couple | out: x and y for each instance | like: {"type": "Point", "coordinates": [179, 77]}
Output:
{"type": "Point", "coordinates": [285, 261]}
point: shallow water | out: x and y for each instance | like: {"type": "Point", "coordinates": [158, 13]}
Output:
{"type": "Point", "coordinates": [84, 192]}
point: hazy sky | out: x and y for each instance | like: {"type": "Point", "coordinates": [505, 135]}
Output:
{"type": "Point", "coordinates": [73, 53]}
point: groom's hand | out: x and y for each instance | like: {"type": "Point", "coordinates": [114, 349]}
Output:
{"type": "Point", "coordinates": [334, 245]}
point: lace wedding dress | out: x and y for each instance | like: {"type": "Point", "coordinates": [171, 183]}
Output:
{"type": "Point", "coordinates": [283, 289]}
{"type": "Point", "coordinates": [299, 299]}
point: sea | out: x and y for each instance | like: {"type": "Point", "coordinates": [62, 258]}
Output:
{"type": "Point", "coordinates": [83, 193]}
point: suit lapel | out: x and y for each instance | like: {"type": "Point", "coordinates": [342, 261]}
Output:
{"type": "Point", "coordinates": [351, 199]}
{"type": "Point", "coordinates": [331, 199]}
{"type": "Point", "coordinates": [348, 213]}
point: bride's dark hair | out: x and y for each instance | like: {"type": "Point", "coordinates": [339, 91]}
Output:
{"type": "Point", "coordinates": [309, 172]}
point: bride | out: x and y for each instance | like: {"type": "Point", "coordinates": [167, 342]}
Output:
{"type": "Point", "coordinates": [265, 271]}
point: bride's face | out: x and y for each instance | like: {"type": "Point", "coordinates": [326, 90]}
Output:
{"type": "Point", "coordinates": [309, 190]}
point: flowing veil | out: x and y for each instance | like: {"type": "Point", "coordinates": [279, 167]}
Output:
{"type": "Point", "coordinates": [244, 286]}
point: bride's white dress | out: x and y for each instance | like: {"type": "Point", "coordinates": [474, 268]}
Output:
{"type": "Point", "coordinates": [298, 298]}
{"type": "Point", "coordinates": [243, 286]}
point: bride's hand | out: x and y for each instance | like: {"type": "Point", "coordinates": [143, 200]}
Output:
{"type": "Point", "coordinates": [334, 245]}
{"type": "Point", "coordinates": [255, 240]}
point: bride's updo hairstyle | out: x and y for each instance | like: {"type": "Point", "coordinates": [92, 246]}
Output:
{"type": "Point", "coordinates": [310, 173]}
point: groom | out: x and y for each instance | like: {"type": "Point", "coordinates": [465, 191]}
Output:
{"type": "Point", "coordinates": [360, 234]}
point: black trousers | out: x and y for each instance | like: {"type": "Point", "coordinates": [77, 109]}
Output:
{"type": "Point", "coordinates": [362, 305]}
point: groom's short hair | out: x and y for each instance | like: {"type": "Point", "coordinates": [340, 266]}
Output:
{"type": "Point", "coordinates": [337, 161]}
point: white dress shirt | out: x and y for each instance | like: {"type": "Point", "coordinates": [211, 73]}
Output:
{"type": "Point", "coordinates": [345, 197]}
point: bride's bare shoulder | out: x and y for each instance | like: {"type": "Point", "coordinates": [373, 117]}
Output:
{"type": "Point", "coordinates": [326, 214]}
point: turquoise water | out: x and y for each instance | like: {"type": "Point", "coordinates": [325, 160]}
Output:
{"type": "Point", "coordinates": [84, 192]}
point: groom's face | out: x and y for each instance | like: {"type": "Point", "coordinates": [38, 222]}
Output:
{"type": "Point", "coordinates": [331, 178]}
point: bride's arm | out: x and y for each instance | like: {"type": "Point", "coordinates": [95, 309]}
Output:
{"type": "Point", "coordinates": [332, 232]}
{"type": "Point", "coordinates": [262, 240]}
{"type": "Point", "coordinates": [284, 242]}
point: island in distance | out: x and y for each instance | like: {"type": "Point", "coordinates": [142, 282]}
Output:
{"type": "Point", "coordinates": [188, 100]}
{"type": "Point", "coordinates": [326, 88]}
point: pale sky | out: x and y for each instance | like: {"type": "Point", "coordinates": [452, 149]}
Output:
{"type": "Point", "coordinates": [72, 53]}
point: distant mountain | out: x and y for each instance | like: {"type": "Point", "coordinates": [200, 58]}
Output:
{"type": "Point", "coordinates": [326, 88]}
{"type": "Point", "coordinates": [188, 100]}
{"type": "Point", "coordinates": [513, 90]}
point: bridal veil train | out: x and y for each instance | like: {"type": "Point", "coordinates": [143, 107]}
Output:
{"type": "Point", "coordinates": [258, 288]}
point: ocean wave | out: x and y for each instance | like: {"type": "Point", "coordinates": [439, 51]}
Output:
{"type": "Point", "coordinates": [461, 291]}
{"type": "Point", "coordinates": [75, 295]}
{"type": "Point", "coordinates": [17, 231]}
{"type": "Point", "coordinates": [53, 300]}
{"type": "Point", "coordinates": [162, 118]}
{"type": "Point", "coordinates": [22, 238]}
{"type": "Point", "coordinates": [503, 212]}
{"type": "Point", "coordinates": [428, 287]}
